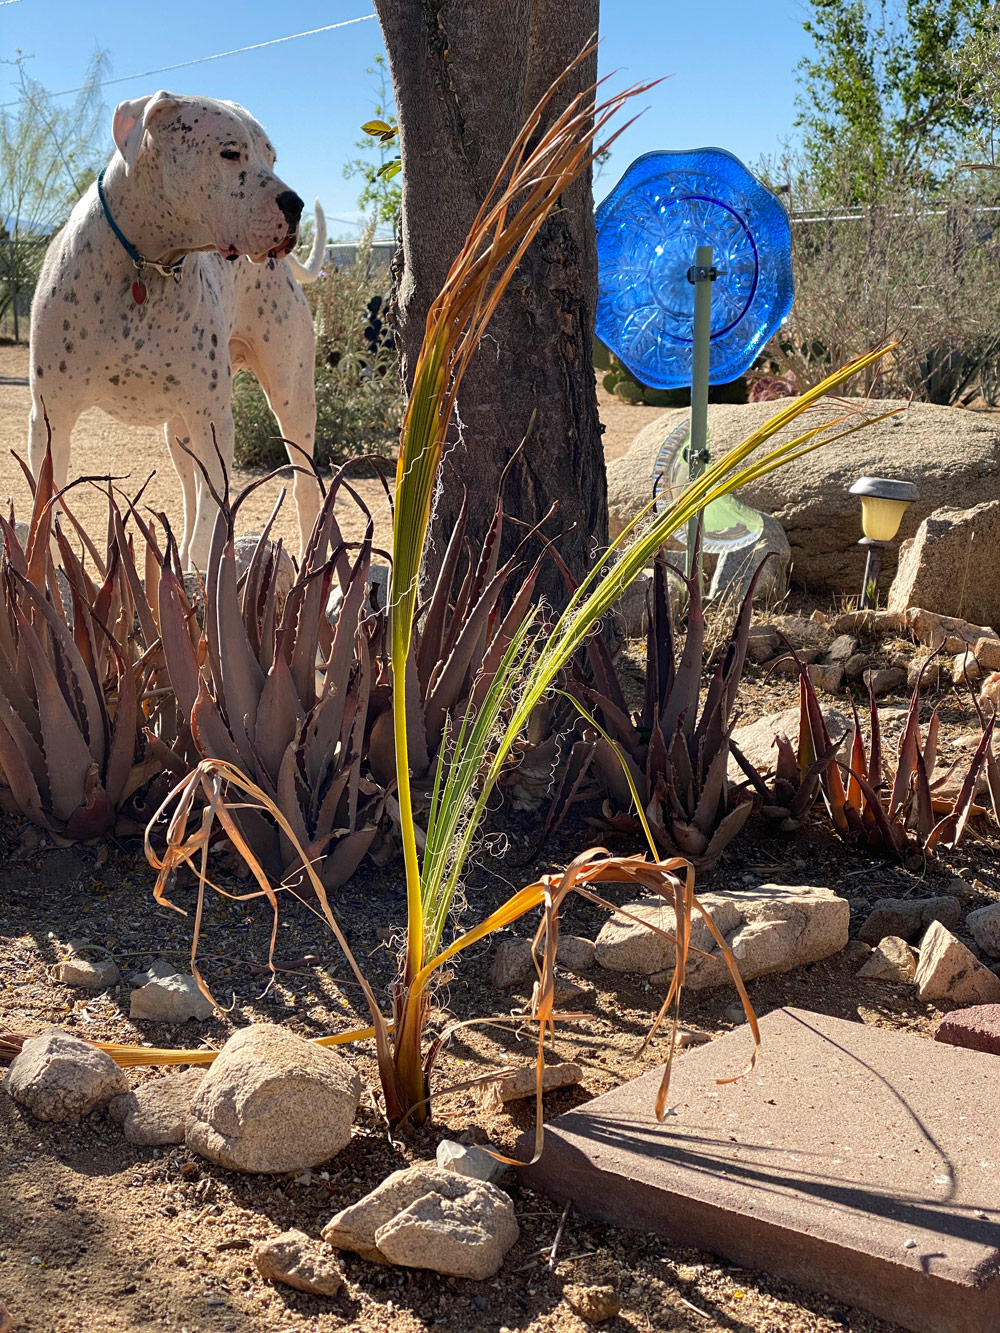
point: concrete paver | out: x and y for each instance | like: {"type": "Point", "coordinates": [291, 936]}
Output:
{"type": "Point", "coordinates": [853, 1160]}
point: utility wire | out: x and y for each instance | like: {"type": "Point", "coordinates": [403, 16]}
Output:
{"type": "Point", "coordinates": [201, 60]}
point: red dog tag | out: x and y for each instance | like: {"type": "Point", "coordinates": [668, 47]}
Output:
{"type": "Point", "coordinates": [139, 292]}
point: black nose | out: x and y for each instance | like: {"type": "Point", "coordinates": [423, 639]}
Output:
{"type": "Point", "coordinates": [291, 206]}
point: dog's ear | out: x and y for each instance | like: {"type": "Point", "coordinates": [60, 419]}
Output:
{"type": "Point", "coordinates": [132, 120]}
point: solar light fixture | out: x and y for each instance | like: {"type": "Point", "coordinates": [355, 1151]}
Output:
{"type": "Point", "coordinates": [883, 502]}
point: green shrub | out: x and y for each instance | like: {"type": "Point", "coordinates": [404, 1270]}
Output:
{"type": "Point", "coordinates": [359, 400]}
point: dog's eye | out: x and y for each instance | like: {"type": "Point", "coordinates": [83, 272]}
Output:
{"type": "Point", "coordinates": [230, 154]}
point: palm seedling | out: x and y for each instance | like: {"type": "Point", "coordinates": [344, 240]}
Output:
{"type": "Point", "coordinates": [460, 637]}
{"type": "Point", "coordinates": [478, 746]}
{"type": "Point", "coordinates": [75, 676]}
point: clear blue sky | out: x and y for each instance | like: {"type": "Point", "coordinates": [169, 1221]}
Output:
{"type": "Point", "coordinates": [732, 66]}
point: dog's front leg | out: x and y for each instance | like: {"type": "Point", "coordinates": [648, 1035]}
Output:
{"type": "Point", "coordinates": [207, 447]}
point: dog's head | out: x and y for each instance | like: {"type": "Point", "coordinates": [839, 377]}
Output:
{"type": "Point", "coordinates": [217, 169]}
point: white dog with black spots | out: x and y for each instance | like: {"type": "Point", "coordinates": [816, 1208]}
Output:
{"type": "Point", "coordinates": [173, 271]}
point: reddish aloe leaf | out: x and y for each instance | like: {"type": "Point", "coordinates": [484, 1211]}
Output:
{"type": "Point", "coordinates": [278, 717]}
{"type": "Point", "coordinates": [86, 701]}
{"type": "Point", "coordinates": [181, 659]}
{"type": "Point", "coordinates": [67, 756]}
{"type": "Point", "coordinates": [906, 760]}
{"type": "Point", "coordinates": [124, 728]}
{"type": "Point", "coordinates": [95, 815]}
{"type": "Point", "coordinates": [23, 765]}
{"type": "Point", "coordinates": [949, 830]}
{"type": "Point", "coordinates": [211, 735]}
{"type": "Point", "coordinates": [240, 677]}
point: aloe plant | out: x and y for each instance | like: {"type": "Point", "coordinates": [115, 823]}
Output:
{"type": "Point", "coordinates": [786, 795]}
{"type": "Point", "coordinates": [256, 695]}
{"type": "Point", "coordinates": [878, 810]}
{"type": "Point", "coordinates": [461, 635]}
{"type": "Point", "coordinates": [74, 674]}
{"type": "Point", "coordinates": [677, 757]}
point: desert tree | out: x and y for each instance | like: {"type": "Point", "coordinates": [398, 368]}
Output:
{"type": "Point", "coordinates": [465, 76]}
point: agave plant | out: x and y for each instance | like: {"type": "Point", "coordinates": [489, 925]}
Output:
{"type": "Point", "coordinates": [74, 675]}
{"type": "Point", "coordinates": [674, 757]}
{"type": "Point", "coordinates": [256, 695]}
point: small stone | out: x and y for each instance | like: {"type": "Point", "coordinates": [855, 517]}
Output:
{"type": "Point", "coordinates": [273, 1102]}
{"type": "Point", "coordinates": [892, 960]}
{"type": "Point", "coordinates": [827, 676]}
{"type": "Point", "coordinates": [59, 1077]}
{"type": "Point", "coordinates": [856, 666]}
{"type": "Point", "coordinates": [566, 994]}
{"type": "Point", "coordinates": [295, 1260]}
{"type": "Point", "coordinates": [927, 670]}
{"type": "Point", "coordinates": [786, 665]}
{"type": "Point", "coordinates": [856, 951]}
{"type": "Point", "coordinates": [842, 649]}
{"type": "Point", "coordinates": [909, 917]}
{"type": "Point", "coordinates": [87, 975]}
{"type": "Point", "coordinates": [512, 964]}
{"type": "Point", "coordinates": [762, 644]}
{"type": "Point", "coordinates": [984, 924]}
{"type": "Point", "coordinates": [355, 1227]}
{"type": "Point", "coordinates": [947, 970]}
{"type": "Point", "coordinates": [461, 1235]}
{"type": "Point", "coordinates": [987, 653]}
{"type": "Point", "coordinates": [469, 1159]}
{"type": "Point", "coordinates": [575, 953]}
{"type": "Point", "coordinates": [521, 1083]}
{"type": "Point", "coordinates": [770, 928]}
{"type": "Point", "coordinates": [771, 554]}
{"type": "Point", "coordinates": [6, 1319]}
{"type": "Point", "coordinates": [154, 1113]}
{"type": "Point", "coordinates": [884, 680]}
{"type": "Point", "coordinates": [170, 999]}
{"type": "Point", "coordinates": [977, 1028]}
{"type": "Point", "coordinates": [964, 667]}
{"type": "Point", "coordinates": [594, 1304]}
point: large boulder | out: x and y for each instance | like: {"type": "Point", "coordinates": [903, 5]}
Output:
{"type": "Point", "coordinates": [951, 567]}
{"type": "Point", "coordinates": [272, 1101]}
{"type": "Point", "coordinates": [953, 457]}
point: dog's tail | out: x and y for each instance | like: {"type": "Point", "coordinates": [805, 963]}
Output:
{"type": "Point", "coordinates": [310, 270]}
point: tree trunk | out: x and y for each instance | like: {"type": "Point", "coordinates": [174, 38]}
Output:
{"type": "Point", "coordinates": [466, 73]}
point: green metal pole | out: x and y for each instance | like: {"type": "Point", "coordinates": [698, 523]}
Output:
{"type": "Point", "coordinates": [702, 275]}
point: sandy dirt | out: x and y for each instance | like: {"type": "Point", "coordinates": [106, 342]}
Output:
{"type": "Point", "coordinates": [102, 446]}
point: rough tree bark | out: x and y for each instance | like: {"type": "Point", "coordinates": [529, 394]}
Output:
{"type": "Point", "coordinates": [465, 75]}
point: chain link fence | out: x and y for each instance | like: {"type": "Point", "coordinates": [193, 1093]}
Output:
{"type": "Point", "coordinates": [20, 265]}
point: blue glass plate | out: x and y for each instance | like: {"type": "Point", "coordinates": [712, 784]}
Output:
{"type": "Point", "coordinates": [648, 228]}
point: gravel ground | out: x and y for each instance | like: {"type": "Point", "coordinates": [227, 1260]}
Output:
{"type": "Point", "coordinates": [101, 1237]}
